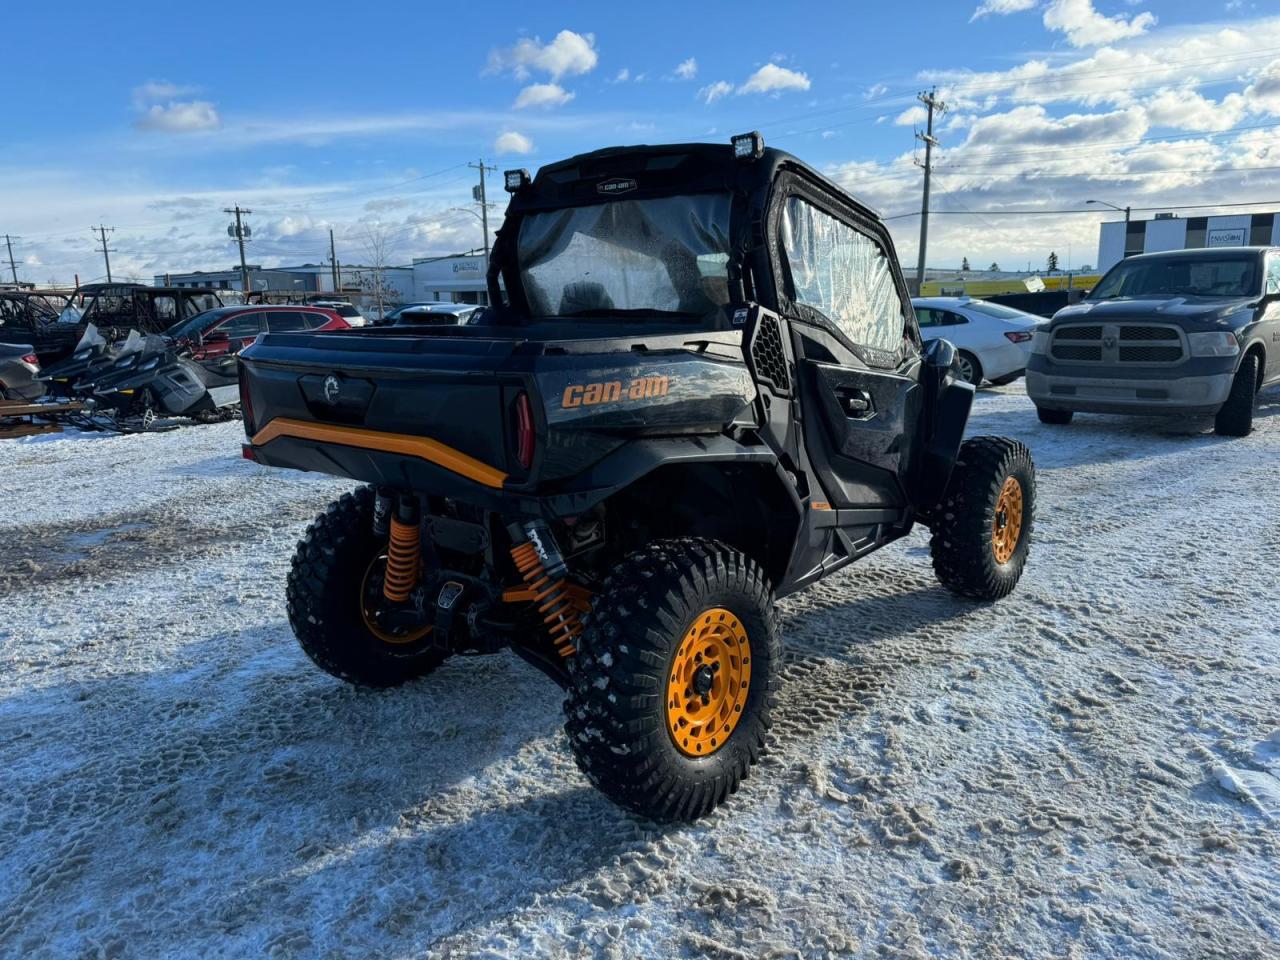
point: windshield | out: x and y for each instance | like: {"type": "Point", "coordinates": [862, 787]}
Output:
{"type": "Point", "coordinates": [664, 257]}
{"type": "Point", "coordinates": [1181, 276]}
{"type": "Point", "coordinates": [190, 327]}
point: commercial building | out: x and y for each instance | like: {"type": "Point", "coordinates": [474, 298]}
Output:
{"type": "Point", "coordinates": [1118, 239]}
{"type": "Point", "coordinates": [459, 279]}
{"type": "Point", "coordinates": [355, 279]}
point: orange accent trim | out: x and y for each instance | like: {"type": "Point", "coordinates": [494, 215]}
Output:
{"type": "Point", "coordinates": [819, 505]}
{"type": "Point", "coordinates": [424, 448]}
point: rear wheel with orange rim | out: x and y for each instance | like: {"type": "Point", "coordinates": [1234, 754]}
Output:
{"type": "Point", "coordinates": [982, 526]}
{"type": "Point", "coordinates": [675, 745]}
{"type": "Point", "coordinates": [335, 601]}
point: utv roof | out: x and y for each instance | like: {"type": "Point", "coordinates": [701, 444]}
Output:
{"type": "Point", "coordinates": [653, 170]}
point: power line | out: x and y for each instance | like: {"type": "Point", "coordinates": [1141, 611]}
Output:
{"type": "Point", "coordinates": [1036, 213]}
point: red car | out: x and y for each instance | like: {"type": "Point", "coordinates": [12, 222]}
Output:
{"type": "Point", "coordinates": [229, 329]}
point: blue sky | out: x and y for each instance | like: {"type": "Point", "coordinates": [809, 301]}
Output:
{"type": "Point", "coordinates": [361, 118]}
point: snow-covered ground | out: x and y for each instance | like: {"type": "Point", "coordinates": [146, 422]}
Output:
{"type": "Point", "coordinates": [1088, 768]}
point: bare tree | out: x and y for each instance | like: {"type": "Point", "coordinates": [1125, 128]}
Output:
{"type": "Point", "coordinates": [377, 249]}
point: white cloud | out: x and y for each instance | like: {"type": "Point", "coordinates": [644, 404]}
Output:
{"type": "Point", "coordinates": [772, 78]}
{"type": "Point", "coordinates": [714, 91]}
{"type": "Point", "coordinates": [1086, 27]}
{"type": "Point", "coordinates": [1001, 8]}
{"type": "Point", "coordinates": [622, 76]}
{"type": "Point", "coordinates": [153, 91]}
{"type": "Point", "coordinates": [1188, 110]}
{"type": "Point", "coordinates": [542, 95]}
{"type": "Point", "coordinates": [912, 116]}
{"type": "Point", "coordinates": [1263, 95]}
{"type": "Point", "coordinates": [875, 91]}
{"type": "Point", "coordinates": [687, 69]}
{"type": "Point", "coordinates": [567, 55]}
{"type": "Point", "coordinates": [511, 142]}
{"type": "Point", "coordinates": [176, 117]}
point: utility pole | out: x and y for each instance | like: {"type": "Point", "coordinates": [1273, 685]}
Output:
{"type": "Point", "coordinates": [934, 105]}
{"type": "Point", "coordinates": [12, 267]}
{"type": "Point", "coordinates": [106, 253]}
{"type": "Point", "coordinates": [240, 233]}
{"type": "Point", "coordinates": [333, 261]}
{"type": "Point", "coordinates": [479, 195]}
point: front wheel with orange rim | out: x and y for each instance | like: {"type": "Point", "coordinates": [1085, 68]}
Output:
{"type": "Point", "coordinates": [982, 526]}
{"type": "Point", "coordinates": [675, 744]}
{"type": "Point", "coordinates": [334, 595]}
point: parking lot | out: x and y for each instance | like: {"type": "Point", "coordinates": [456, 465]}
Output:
{"type": "Point", "coordinates": [1091, 766]}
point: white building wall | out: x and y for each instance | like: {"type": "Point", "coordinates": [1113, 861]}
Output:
{"type": "Point", "coordinates": [1110, 244]}
{"type": "Point", "coordinates": [1165, 235]}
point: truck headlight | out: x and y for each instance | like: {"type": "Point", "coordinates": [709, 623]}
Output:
{"type": "Point", "coordinates": [1040, 342]}
{"type": "Point", "coordinates": [1216, 343]}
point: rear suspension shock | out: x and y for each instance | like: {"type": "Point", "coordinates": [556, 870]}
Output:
{"type": "Point", "coordinates": [404, 552]}
{"type": "Point", "coordinates": [542, 567]}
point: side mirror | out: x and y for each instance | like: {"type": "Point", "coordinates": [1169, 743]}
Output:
{"type": "Point", "coordinates": [939, 354]}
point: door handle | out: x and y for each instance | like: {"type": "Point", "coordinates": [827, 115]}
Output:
{"type": "Point", "coordinates": [856, 403]}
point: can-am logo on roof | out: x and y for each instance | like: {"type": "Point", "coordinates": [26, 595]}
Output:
{"type": "Point", "coordinates": [616, 185]}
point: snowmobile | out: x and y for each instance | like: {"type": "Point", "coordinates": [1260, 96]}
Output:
{"type": "Point", "coordinates": [162, 380]}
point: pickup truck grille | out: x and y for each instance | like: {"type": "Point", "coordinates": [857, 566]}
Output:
{"type": "Point", "coordinates": [1143, 343]}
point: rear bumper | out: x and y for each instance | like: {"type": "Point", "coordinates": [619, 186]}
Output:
{"type": "Point", "coordinates": [1005, 360]}
{"type": "Point", "coordinates": [1174, 395]}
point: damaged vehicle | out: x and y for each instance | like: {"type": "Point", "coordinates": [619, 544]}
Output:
{"type": "Point", "coordinates": [36, 319]}
{"type": "Point", "coordinates": [700, 388]}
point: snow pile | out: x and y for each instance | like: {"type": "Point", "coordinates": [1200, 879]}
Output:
{"type": "Point", "coordinates": [1087, 768]}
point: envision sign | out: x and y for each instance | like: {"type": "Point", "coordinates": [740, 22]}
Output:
{"type": "Point", "coordinates": [1225, 237]}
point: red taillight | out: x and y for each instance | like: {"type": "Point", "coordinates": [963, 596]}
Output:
{"type": "Point", "coordinates": [246, 403]}
{"type": "Point", "coordinates": [524, 431]}
{"type": "Point", "coordinates": [1018, 336]}
{"type": "Point", "coordinates": [32, 360]}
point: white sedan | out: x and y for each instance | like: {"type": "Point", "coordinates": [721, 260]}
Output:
{"type": "Point", "coordinates": [992, 341]}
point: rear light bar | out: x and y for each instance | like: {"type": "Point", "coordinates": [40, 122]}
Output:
{"type": "Point", "coordinates": [1018, 336]}
{"type": "Point", "coordinates": [525, 435]}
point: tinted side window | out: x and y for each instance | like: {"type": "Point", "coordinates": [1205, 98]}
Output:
{"type": "Point", "coordinates": [950, 319]}
{"type": "Point", "coordinates": [286, 321]}
{"type": "Point", "coordinates": [242, 326]}
{"type": "Point", "coordinates": [1273, 273]}
{"type": "Point", "coordinates": [926, 317]}
{"type": "Point", "coordinates": [844, 274]}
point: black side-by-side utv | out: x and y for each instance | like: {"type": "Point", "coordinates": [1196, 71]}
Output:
{"type": "Point", "coordinates": [700, 387]}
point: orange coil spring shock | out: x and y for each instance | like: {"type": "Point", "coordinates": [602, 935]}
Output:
{"type": "Point", "coordinates": [404, 557]}
{"type": "Point", "coordinates": [559, 612]}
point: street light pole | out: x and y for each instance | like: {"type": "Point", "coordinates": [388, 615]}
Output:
{"type": "Point", "coordinates": [1124, 210]}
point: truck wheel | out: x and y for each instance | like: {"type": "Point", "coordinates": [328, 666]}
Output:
{"type": "Point", "coordinates": [1054, 416]}
{"type": "Point", "coordinates": [969, 367]}
{"type": "Point", "coordinates": [335, 579]}
{"type": "Point", "coordinates": [1235, 419]}
{"type": "Point", "coordinates": [671, 689]}
{"type": "Point", "coordinates": [982, 527]}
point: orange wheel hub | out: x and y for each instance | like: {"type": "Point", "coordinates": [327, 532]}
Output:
{"type": "Point", "coordinates": [371, 596]}
{"type": "Point", "coordinates": [1006, 525]}
{"type": "Point", "coordinates": [708, 683]}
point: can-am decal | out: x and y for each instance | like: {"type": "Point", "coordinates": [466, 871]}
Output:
{"type": "Point", "coordinates": [616, 185]}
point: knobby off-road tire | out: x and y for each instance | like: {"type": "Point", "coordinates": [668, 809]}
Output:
{"type": "Point", "coordinates": [982, 527]}
{"type": "Point", "coordinates": [1235, 419]}
{"type": "Point", "coordinates": [324, 596]}
{"type": "Point", "coordinates": [1054, 416]}
{"type": "Point", "coordinates": [638, 728]}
